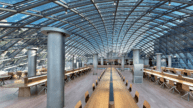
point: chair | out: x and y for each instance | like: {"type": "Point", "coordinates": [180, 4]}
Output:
{"type": "Point", "coordinates": [146, 104]}
{"type": "Point", "coordinates": [188, 92]}
{"type": "Point", "coordinates": [45, 88]}
{"type": "Point", "coordinates": [163, 82]}
{"type": "Point", "coordinates": [126, 83]}
{"type": "Point", "coordinates": [123, 79]}
{"type": "Point", "coordinates": [78, 105]}
{"type": "Point", "coordinates": [130, 88]}
{"type": "Point", "coordinates": [99, 78]}
{"type": "Point", "coordinates": [96, 82]}
{"type": "Point", "coordinates": [173, 88]}
{"type": "Point", "coordinates": [93, 87]}
{"type": "Point", "coordinates": [173, 71]}
{"type": "Point", "coordinates": [136, 97]}
{"type": "Point", "coordinates": [157, 80]}
{"type": "Point", "coordinates": [86, 96]}
{"type": "Point", "coordinates": [149, 76]}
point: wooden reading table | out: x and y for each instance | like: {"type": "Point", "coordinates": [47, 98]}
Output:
{"type": "Point", "coordinates": [100, 96]}
{"type": "Point", "coordinates": [122, 97]}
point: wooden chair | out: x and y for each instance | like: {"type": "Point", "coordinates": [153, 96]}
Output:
{"type": "Point", "coordinates": [99, 78]}
{"type": "Point", "coordinates": [126, 83]}
{"type": "Point", "coordinates": [187, 90]}
{"type": "Point", "coordinates": [149, 77]}
{"type": "Point", "coordinates": [130, 88]}
{"type": "Point", "coordinates": [163, 82]}
{"type": "Point", "coordinates": [173, 71]}
{"type": "Point", "coordinates": [157, 80]}
{"type": "Point", "coordinates": [96, 82]}
{"type": "Point", "coordinates": [123, 79]}
{"type": "Point", "coordinates": [93, 87]}
{"type": "Point", "coordinates": [136, 97]}
{"type": "Point", "coordinates": [173, 87]}
{"type": "Point", "coordinates": [86, 96]}
{"type": "Point", "coordinates": [44, 88]}
{"type": "Point", "coordinates": [78, 105]}
{"type": "Point", "coordinates": [146, 104]}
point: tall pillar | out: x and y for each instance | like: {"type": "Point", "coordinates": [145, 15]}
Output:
{"type": "Point", "coordinates": [73, 62]}
{"type": "Point", "coordinates": [136, 56]}
{"type": "Point", "coordinates": [32, 62]}
{"type": "Point", "coordinates": [102, 60]}
{"type": "Point", "coordinates": [78, 64]}
{"type": "Point", "coordinates": [158, 64]}
{"type": "Point", "coordinates": [122, 62]}
{"type": "Point", "coordinates": [95, 61]}
{"type": "Point", "coordinates": [55, 74]}
{"type": "Point", "coordinates": [169, 61]}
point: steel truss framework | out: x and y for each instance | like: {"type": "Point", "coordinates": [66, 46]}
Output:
{"type": "Point", "coordinates": [97, 26]}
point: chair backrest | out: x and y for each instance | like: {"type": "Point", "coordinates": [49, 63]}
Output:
{"type": "Point", "coordinates": [161, 79]}
{"type": "Point", "coordinates": [130, 88]}
{"type": "Point", "coordinates": [155, 77]}
{"type": "Point", "coordinates": [185, 87]}
{"type": "Point", "coordinates": [96, 82]}
{"type": "Point", "coordinates": [126, 83]}
{"type": "Point", "coordinates": [171, 83]}
{"type": "Point", "coordinates": [93, 87]}
{"type": "Point", "coordinates": [123, 78]}
{"type": "Point", "coordinates": [78, 105]}
{"type": "Point", "coordinates": [180, 77]}
{"type": "Point", "coordinates": [188, 73]}
{"type": "Point", "coordinates": [136, 98]}
{"type": "Point", "coordinates": [146, 104]}
{"type": "Point", "coordinates": [86, 96]}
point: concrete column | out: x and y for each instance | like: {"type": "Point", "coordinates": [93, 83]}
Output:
{"type": "Point", "coordinates": [102, 60]}
{"type": "Point", "coordinates": [169, 61]}
{"type": "Point", "coordinates": [158, 64]}
{"type": "Point", "coordinates": [136, 56]}
{"type": "Point", "coordinates": [32, 62]}
{"type": "Point", "coordinates": [78, 64]}
{"type": "Point", "coordinates": [95, 61]}
{"type": "Point", "coordinates": [73, 62]}
{"type": "Point", "coordinates": [122, 62]}
{"type": "Point", "coordinates": [55, 74]}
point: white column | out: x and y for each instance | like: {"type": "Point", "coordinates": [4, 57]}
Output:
{"type": "Point", "coordinates": [32, 62]}
{"type": "Point", "coordinates": [77, 64]}
{"type": "Point", "coordinates": [136, 56]}
{"type": "Point", "coordinates": [169, 61]}
{"type": "Point", "coordinates": [122, 62]}
{"type": "Point", "coordinates": [95, 61]}
{"type": "Point", "coordinates": [56, 62]}
{"type": "Point", "coordinates": [102, 60]}
{"type": "Point", "coordinates": [73, 62]}
{"type": "Point", "coordinates": [158, 64]}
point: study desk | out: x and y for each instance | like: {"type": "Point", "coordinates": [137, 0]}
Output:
{"type": "Point", "coordinates": [100, 96]}
{"type": "Point", "coordinates": [172, 77]}
{"type": "Point", "coordinates": [2, 78]}
{"type": "Point", "coordinates": [122, 97]}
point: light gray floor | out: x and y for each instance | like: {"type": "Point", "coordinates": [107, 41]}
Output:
{"type": "Point", "coordinates": [75, 90]}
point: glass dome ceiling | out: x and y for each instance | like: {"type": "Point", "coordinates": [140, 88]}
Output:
{"type": "Point", "coordinates": [97, 26]}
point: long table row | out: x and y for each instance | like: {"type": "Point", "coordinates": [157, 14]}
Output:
{"type": "Point", "coordinates": [111, 92]}
{"type": "Point", "coordinates": [185, 72]}
{"type": "Point", "coordinates": [24, 86]}
{"type": "Point", "coordinates": [178, 82]}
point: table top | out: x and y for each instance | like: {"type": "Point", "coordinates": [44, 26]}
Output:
{"type": "Point", "coordinates": [21, 84]}
{"type": "Point", "coordinates": [100, 97]}
{"type": "Point", "coordinates": [122, 97]}
{"type": "Point", "coordinates": [5, 76]}
{"type": "Point", "coordinates": [175, 79]}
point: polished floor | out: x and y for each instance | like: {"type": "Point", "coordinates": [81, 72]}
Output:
{"type": "Point", "coordinates": [75, 90]}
